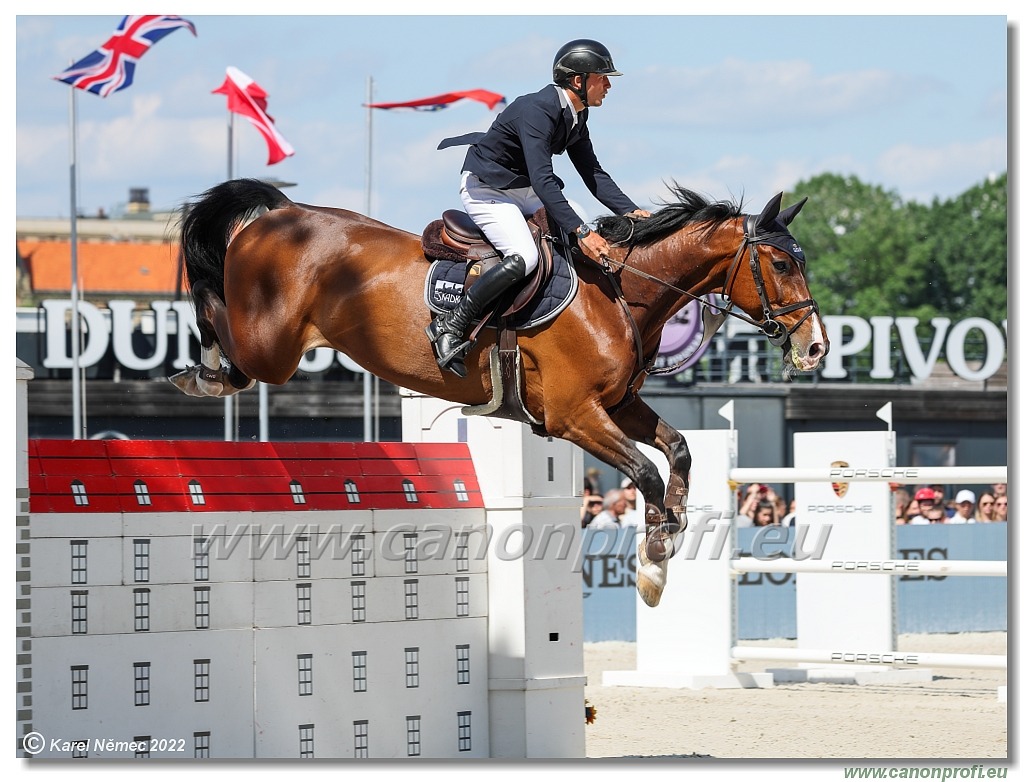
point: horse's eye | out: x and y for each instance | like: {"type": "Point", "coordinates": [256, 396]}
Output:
{"type": "Point", "coordinates": [780, 266]}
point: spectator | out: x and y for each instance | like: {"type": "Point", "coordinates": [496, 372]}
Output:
{"type": "Point", "coordinates": [986, 507]}
{"type": "Point", "coordinates": [632, 515]}
{"type": "Point", "coordinates": [1001, 511]}
{"type": "Point", "coordinates": [614, 508]}
{"type": "Point", "coordinates": [900, 504]}
{"type": "Point", "coordinates": [998, 490]}
{"type": "Point", "coordinates": [764, 514]}
{"type": "Point", "coordinates": [789, 520]}
{"type": "Point", "coordinates": [781, 509]}
{"type": "Point", "coordinates": [936, 514]}
{"type": "Point", "coordinates": [913, 509]}
{"type": "Point", "coordinates": [925, 499]}
{"type": "Point", "coordinates": [964, 511]}
{"type": "Point", "coordinates": [592, 505]}
{"type": "Point", "coordinates": [756, 493]}
{"type": "Point", "coordinates": [594, 476]}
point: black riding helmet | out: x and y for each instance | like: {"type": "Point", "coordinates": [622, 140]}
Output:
{"type": "Point", "coordinates": [583, 57]}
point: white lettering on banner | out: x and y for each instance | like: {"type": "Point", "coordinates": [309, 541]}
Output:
{"type": "Point", "coordinates": [878, 335]}
{"type": "Point", "coordinates": [839, 509]}
{"type": "Point", "coordinates": [881, 566]}
{"type": "Point", "coordinates": [884, 658]}
{"type": "Point", "coordinates": [850, 336]}
{"type": "Point", "coordinates": [874, 472]}
{"type": "Point", "coordinates": [994, 348]}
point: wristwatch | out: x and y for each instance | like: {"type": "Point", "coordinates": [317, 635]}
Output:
{"type": "Point", "coordinates": [583, 231]}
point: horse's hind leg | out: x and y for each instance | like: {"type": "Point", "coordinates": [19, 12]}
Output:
{"type": "Point", "coordinates": [210, 378]}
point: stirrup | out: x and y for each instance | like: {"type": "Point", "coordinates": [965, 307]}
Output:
{"type": "Point", "coordinates": [453, 361]}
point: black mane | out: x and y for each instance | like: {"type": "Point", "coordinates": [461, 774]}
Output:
{"type": "Point", "coordinates": [691, 208]}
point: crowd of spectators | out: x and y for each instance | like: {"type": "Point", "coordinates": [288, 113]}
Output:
{"type": "Point", "coordinates": [929, 506]}
{"type": "Point", "coordinates": [759, 505]}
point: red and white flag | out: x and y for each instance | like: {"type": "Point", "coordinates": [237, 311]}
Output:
{"type": "Point", "coordinates": [437, 102]}
{"type": "Point", "coordinates": [249, 99]}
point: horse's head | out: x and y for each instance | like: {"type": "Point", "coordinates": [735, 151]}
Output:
{"type": "Point", "coordinates": [767, 281]}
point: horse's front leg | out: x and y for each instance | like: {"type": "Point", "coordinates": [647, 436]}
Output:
{"type": "Point", "coordinates": [666, 518]}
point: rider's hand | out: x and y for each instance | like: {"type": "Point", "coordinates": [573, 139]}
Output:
{"type": "Point", "coordinates": [638, 213]}
{"type": "Point", "coordinates": [594, 246]}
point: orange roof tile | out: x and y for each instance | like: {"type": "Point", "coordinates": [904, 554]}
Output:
{"type": "Point", "coordinates": [103, 267]}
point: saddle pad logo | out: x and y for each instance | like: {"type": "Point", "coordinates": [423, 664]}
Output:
{"type": "Point", "coordinates": [447, 292]}
{"type": "Point", "coordinates": [840, 488]}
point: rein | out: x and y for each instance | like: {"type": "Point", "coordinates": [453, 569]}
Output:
{"type": "Point", "coordinates": [774, 330]}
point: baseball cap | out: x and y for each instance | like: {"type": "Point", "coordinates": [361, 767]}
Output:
{"type": "Point", "coordinates": [626, 483]}
{"type": "Point", "coordinates": [965, 495]}
{"type": "Point", "coordinates": [925, 494]}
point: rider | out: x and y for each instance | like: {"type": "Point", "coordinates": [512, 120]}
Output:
{"type": "Point", "coordinates": [508, 175]}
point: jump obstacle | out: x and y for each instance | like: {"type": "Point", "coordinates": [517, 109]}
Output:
{"type": "Point", "coordinates": [476, 651]}
{"type": "Point", "coordinates": [846, 612]}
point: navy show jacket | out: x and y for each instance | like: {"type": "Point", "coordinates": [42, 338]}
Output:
{"type": "Point", "coordinates": [517, 149]}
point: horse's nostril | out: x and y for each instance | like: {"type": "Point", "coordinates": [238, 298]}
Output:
{"type": "Point", "coordinates": [817, 350]}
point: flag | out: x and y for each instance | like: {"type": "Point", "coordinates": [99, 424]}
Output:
{"type": "Point", "coordinates": [112, 67]}
{"type": "Point", "coordinates": [438, 102]}
{"type": "Point", "coordinates": [249, 99]}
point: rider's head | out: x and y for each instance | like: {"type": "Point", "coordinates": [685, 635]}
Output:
{"type": "Point", "coordinates": [581, 58]}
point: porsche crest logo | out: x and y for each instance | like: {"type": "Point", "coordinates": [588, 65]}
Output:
{"type": "Point", "coordinates": [840, 488]}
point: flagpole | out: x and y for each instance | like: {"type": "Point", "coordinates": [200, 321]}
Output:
{"type": "Point", "coordinates": [229, 401]}
{"type": "Point", "coordinates": [367, 382]}
{"type": "Point", "coordinates": [76, 380]}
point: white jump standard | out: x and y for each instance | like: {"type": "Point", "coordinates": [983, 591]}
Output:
{"type": "Point", "coordinates": [845, 604]}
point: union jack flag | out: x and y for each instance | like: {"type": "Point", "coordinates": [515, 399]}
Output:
{"type": "Point", "coordinates": [112, 67]}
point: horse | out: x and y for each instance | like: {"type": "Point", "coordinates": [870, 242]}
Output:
{"type": "Point", "coordinates": [271, 279]}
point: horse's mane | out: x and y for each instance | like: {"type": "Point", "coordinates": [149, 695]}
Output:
{"type": "Point", "coordinates": [690, 208]}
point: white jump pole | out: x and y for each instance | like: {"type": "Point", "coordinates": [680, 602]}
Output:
{"type": "Point", "coordinates": [994, 662]}
{"type": "Point", "coordinates": [892, 567]}
{"type": "Point", "coordinates": [875, 474]}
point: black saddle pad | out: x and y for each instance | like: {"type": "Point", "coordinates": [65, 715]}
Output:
{"type": "Point", "coordinates": [443, 291]}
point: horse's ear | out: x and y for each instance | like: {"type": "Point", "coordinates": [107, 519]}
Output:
{"type": "Point", "coordinates": [786, 215]}
{"type": "Point", "coordinates": [770, 212]}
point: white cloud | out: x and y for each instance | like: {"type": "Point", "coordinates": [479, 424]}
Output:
{"type": "Point", "coordinates": [920, 171]}
{"type": "Point", "coordinates": [737, 94]}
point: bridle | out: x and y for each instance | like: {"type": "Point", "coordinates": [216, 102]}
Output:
{"type": "Point", "coordinates": [776, 332]}
{"type": "Point", "coordinates": [714, 315]}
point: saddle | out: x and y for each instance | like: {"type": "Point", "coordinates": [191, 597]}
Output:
{"type": "Point", "coordinates": [455, 237]}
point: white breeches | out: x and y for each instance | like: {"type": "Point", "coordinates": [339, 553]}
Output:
{"type": "Point", "coordinates": [501, 215]}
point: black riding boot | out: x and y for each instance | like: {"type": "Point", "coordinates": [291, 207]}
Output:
{"type": "Point", "coordinates": [447, 330]}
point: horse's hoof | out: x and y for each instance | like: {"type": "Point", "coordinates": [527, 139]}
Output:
{"type": "Point", "coordinates": [650, 577]}
{"type": "Point", "coordinates": [191, 382]}
{"type": "Point", "coordinates": [187, 381]}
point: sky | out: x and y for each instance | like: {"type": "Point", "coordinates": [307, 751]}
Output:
{"type": "Point", "coordinates": [738, 106]}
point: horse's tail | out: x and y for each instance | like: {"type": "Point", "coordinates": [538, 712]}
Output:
{"type": "Point", "coordinates": [209, 223]}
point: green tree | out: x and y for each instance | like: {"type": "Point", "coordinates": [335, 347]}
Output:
{"type": "Point", "coordinates": [862, 246]}
{"type": "Point", "coordinates": [970, 251]}
{"type": "Point", "coordinates": [871, 254]}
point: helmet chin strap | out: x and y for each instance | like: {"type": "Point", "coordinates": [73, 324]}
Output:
{"type": "Point", "coordinates": [581, 93]}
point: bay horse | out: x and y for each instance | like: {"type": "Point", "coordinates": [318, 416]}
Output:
{"type": "Point", "coordinates": [272, 279]}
